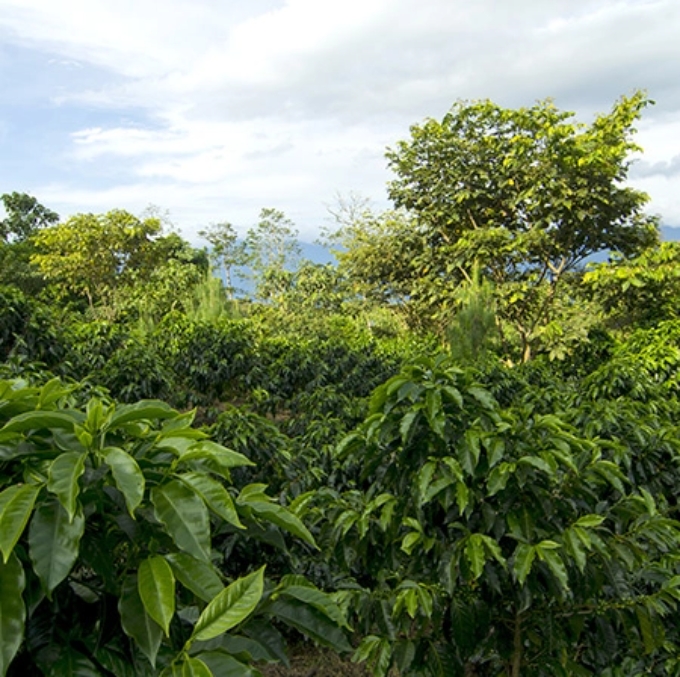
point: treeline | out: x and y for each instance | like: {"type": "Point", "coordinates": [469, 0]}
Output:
{"type": "Point", "coordinates": [464, 435]}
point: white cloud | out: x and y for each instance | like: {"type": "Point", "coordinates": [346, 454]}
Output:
{"type": "Point", "coordinates": [231, 106]}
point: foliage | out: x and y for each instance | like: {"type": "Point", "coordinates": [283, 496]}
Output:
{"type": "Point", "coordinates": [524, 194]}
{"type": "Point", "coordinates": [95, 255]}
{"type": "Point", "coordinates": [29, 328]}
{"type": "Point", "coordinates": [108, 565]}
{"type": "Point", "coordinates": [227, 252]}
{"type": "Point", "coordinates": [209, 358]}
{"type": "Point", "coordinates": [641, 291]}
{"type": "Point", "coordinates": [24, 216]}
{"type": "Point", "coordinates": [272, 251]}
{"type": "Point", "coordinates": [473, 330]}
{"type": "Point", "coordinates": [377, 254]}
{"type": "Point", "coordinates": [480, 539]}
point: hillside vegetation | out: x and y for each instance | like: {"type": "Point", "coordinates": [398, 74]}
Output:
{"type": "Point", "coordinates": [452, 453]}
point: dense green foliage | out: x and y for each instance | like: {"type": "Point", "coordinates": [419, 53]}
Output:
{"type": "Point", "coordinates": [454, 453]}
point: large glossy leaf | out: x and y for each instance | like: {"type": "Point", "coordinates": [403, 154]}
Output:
{"type": "Point", "coordinates": [136, 621]}
{"type": "Point", "coordinates": [146, 409]}
{"type": "Point", "coordinates": [524, 558]}
{"type": "Point", "coordinates": [317, 599]}
{"type": "Point", "coordinates": [16, 505]}
{"type": "Point", "coordinates": [12, 610]}
{"type": "Point", "coordinates": [231, 607]}
{"type": "Point", "coordinates": [188, 667]}
{"type": "Point", "coordinates": [549, 555]}
{"type": "Point", "coordinates": [52, 391]}
{"type": "Point", "coordinates": [127, 475]}
{"type": "Point", "coordinates": [310, 622]}
{"type": "Point", "coordinates": [156, 585]}
{"type": "Point", "coordinates": [185, 517]}
{"type": "Point", "coordinates": [475, 554]}
{"type": "Point", "coordinates": [224, 665]}
{"type": "Point", "coordinates": [277, 514]}
{"type": "Point", "coordinates": [215, 495]}
{"type": "Point", "coordinates": [62, 479]}
{"type": "Point", "coordinates": [34, 420]}
{"type": "Point", "coordinates": [53, 542]}
{"type": "Point", "coordinates": [223, 457]}
{"type": "Point", "coordinates": [196, 575]}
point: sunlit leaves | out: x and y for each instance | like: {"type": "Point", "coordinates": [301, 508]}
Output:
{"type": "Point", "coordinates": [231, 606]}
{"type": "Point", "coordinates": [16, 506]}
{"type": "Point", "coordinates": [156, 586]}
{"type": "Point", "coordinates": [117, 513]}
{"type": "Point", "coordinates": [63, 477]}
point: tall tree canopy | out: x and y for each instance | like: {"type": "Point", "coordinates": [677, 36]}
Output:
{"type": "Point", "coordinates": [524, 195]}
{"type": "Point", "coordinates": [24, 216]}
{"type": "Point", "coordinates": [92, 255]}
{"type": "Point", "coordinates": [552, 184]}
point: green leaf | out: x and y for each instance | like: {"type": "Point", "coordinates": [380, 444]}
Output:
{"type": "Point", "coordinates": [537, 463]}
{"type": "Point", "coordinates": [319, 600]}
{"type": "Point", "coordinates": [231, 607]}
{"type": "Point", "coordinates": [215, 496]}
{"type": "Point", "coordinates": [310, 622]}
{"type": "Point", "coordinates": [611, 473]}
{"type": "Point", "coordinates": [435, 413]}
{"type": "Point", "coordinates": [143, 410]}
{"type": "Point", "coordinates": [496, 451]}
{"type": "Point", "coordinates": [51, 392]}
{"type": "Point", "coordinates": [498, 478]}
{"type": "Point", "coordinates": [185, 517]}
{"type": "Point", "coordinates": [188, 667]}
{"type": "Point", "coordinates": [476, 556]}
{"type": "Point", "coordinates": [470, 450]}
{"type": "Point", "coordinates": [278, 515]}
{"type": "Point", "coordinates": [136, 621]}
{"type": "Point", "coordinates": [224, 665]}
{"type": "Point", "coordinates": [156, 585]}
{"type": "Point", "coordinates": [73, 663]}
{"type": "Point", "coordinates": [453, 395]}
{"type": "Point", "coordinates": [424, 479]}
{"type": "Point", "coordinates": [462, 496]}
{"type": "Point", "coordinates": [556, 566]}
{"type": "Point", "coordinates": [407, 422]}
{"type": "Point", "coordinates": [575, 547]}
{"type": "Point", "coordinates": [36, 420]}
{"type": "Point", "coordinates": [12, 610]}
{"type": "Point", "coordinates": [62, 479]}
{"type": "Point", "coordinates": [16, 505]}
{"type": "Point", "coordinates": [116, 662]}
{"type": "Point", "coordinates": [195, 575]}
{"type": "Point", "coordinates": [493, 548]}
{"type": "Point", "coordinates": [484, 397]}
{"type": "Point", "coordinates": [54, 542]}
{"type": "Point", "coordinates": [524, 558]}
{"type": "Point", "coordinates": [223, 457]}
{"type": "Point", "coordinates": [646, 629]}
{"type": "Point", "coordinates": [127, 475]}
{"type": "Point", "coordinates": [590, 521]}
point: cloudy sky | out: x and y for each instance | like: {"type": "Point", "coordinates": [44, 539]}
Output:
{"type": "Point", "coordinates": [212, 109]}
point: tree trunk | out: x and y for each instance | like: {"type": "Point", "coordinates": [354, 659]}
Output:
{"type": "Point", "coordinates": [517, 648]}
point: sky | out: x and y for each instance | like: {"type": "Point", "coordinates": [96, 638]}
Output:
{"type": "Point", "coordinates": [213, 109]}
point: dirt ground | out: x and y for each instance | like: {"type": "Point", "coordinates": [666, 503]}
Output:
{"type": "Point", "coordinates": [310, 661]}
